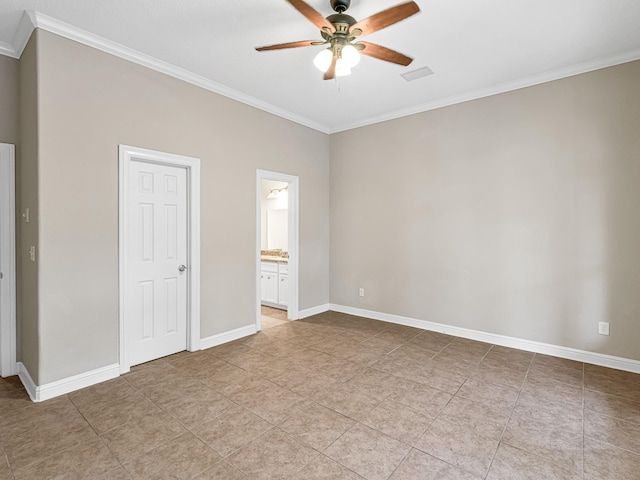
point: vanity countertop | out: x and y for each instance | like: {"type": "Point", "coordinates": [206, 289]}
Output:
{"type": "Point", "coordinates": [272, 258]}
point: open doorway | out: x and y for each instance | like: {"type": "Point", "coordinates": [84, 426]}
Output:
{"type": "Point", "coordinates": [277, 249]}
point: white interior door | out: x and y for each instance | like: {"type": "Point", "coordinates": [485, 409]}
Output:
{"type": "Point", "coordinates": [7, 261]}
{"type": "Point", "coordinates": [156, 323]}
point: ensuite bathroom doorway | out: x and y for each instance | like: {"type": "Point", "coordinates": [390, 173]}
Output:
{"type": "Point", "coordinates": [277, 244]}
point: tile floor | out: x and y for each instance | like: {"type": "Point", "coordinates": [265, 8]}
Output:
{"type": "Point", "coordinates": [337, 397]}
{"type": "Point", "coordinates": [272, 317]}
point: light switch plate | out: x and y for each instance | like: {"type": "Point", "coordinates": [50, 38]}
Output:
{"type": "Point", "coordinates": [603, 328]}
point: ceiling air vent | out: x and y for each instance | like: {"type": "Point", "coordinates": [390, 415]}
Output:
{"type": "Point", "coordinates": [416, 74]}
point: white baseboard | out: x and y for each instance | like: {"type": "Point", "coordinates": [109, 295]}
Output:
{"type": "Point", "coordinates": [309, 312]}
{"type": "Point", "coordinates": [594, 358]}
{"type": "Point", "coordinates": [230, 336]}
{"type": "Point", "coordinates": [66, 385]}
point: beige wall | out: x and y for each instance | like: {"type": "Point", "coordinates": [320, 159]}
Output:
{"type": "Point", "coordinates": [517, 214]}
{"type": "Point", "coordinates": [27, 197]}
{"type": "Point", "coordinates": [8, 100]}
{"type": "Point", "coordinates": [89, 103]}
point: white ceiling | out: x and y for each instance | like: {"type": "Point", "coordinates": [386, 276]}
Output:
{"type": "Point", "coordinates": [475, 48]}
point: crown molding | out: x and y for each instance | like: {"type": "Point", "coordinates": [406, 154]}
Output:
{"type": "Point", "coordinates": [20, 39]}
{"type": "Point", "coordinates": [577, 69]}
{"type": "Point", "coordinates": [62, 29]}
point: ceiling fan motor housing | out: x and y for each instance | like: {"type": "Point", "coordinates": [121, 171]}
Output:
{"type": "Point", "coordinates": [340, 5]}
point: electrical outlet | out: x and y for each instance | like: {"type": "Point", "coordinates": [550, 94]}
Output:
{"type": "Point", "coordinates": [361, 292]}
{"type": "Point", "coordinates": [603, 328]}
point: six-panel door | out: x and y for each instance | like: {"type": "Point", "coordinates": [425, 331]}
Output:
{"type": "Point", "coordinates": [157, 285]}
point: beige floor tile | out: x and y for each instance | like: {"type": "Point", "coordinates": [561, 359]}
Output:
{"type": "Point", "coordinates": [315, 425]}
{"type": "Point", "coordinates": [323, 468]}
{"type": "Point", "coordinates": [616, 432]}
{"type": "Point", "coordinates": [548, 360]}
{"type": "Point", "coordinates": [500, 374]}
{"type": "Point", "coordinates": [458, 446]}
{"type": "Point", "coordinates": [489, 393]}
{"type": "Point", "coordinates": [432, 340]}
{"type": "Point", "coordinates": [379, 384]}
{"type": "Point", "coordinates": [281, 349]}
{"type": "Point", "coordinates": [120, 411]}
{"type": "Point", "coordinates": [13, 400]}
{"type": "Point", "coordinates": [222, 471]}
{"type": "Point", "coordinates": [151, 375]}
{"type": "Point", "coordinates": [510, 356]}
{"type": "Point", "coordinates": [273, 455]}
{"type": "Point", "coordinates": [480, 418]}
{"type": "Point", "coordinates": [117, 474]}
{"type": "Point", "coordinates": [613, 386]}
{"type": "Point", "coordinates": [231, 430]}
{"type": "Point", "coordinates": [368, 452]}
{"type": "Point", "coordinates": [198, 406]}
{"type": "Point", "coordinates": [141, 435]}
{"type": "Point", "coordinates": [5, 471]}
{"type": "Point", "coordinates": [33, 416]}
{"type": "Point", "coordinates": [337, 368]}
{"type": "Point", "coordinates": [353, 401]}
{"type": "Point", "coordinates": [555, 444]}
{"type": "Point", "coordinates": [45, 442]}
{"type": "Point", "coordinates": [434, 377]}
{"type": "Point", "coordinates": [181, 458]}
{"type": "Point", "coordinates": [305, 383]}
{"type": "Point", "coordinates": [619, 375]}
{"type": "Point", "coordinates": [560, 415]}
{"type": "Point", "coordinates": [451, 362]}
{"type": "Point", "coordinates": [426, 400]}
{"type": "Point", "coordinates": [418, 465]}
{"type": "Point", "coordinates": [511, 463]}
{"type": "Point", "coordinates": [221, 375]}
{"type": "Point", "coordinates": [399, 334]}
{"type": "Point", "coordinates": [570, 376]}
{"type": "Point", "coordinates": [616, 407]}
{"type": "Point", "coordinates": [86, 460]}
{"type": "Point", "coordinates": [94, 397]}
{"type": "Point", "coordinates": [398, 421]}
{"type": "Point", "coordinates": [553, 391]}
{"type": "Point", "coordinates": [603, 461]}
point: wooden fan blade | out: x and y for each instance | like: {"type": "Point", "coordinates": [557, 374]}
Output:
{"type": "Point", "coordinates": [385, 18]}
{"type": "Point", "coordinates": [384, 53]}
{"type": "Point", "coordinates": [331, 73]}
{"type": "Point", "coordinates": [278, 46]}
{"type": "Point", "coordinates": [312, 14]}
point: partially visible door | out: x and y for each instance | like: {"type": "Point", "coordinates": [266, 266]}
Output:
{"type": "Point", "coordinates": [283, 289]}
{"type": "Point", "coordinates": [157, 245]}
{"type": "Point", "coordinates": [7, 262]}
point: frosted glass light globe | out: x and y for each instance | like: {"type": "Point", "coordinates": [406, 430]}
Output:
{"type": "Point", "coordinates": [342, 68]}
{"type": "Point", "coordinates": [350, 56]}
{"type": "Point", "coordinates": [323, 60]}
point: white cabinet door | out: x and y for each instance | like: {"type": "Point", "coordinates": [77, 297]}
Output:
{"type": "Point", "coordinates": [263, 285]}
{"type": "Point", "coordinates": [270, 291]}
{"type": "Point", "coordinates": [283, 290]}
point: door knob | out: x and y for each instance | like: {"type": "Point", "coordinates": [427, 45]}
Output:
{"type": "Point", "coordinates": [182, 268]}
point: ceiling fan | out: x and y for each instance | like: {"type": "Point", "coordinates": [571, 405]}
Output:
{"type": "Point", "coordinates": [340, 30]}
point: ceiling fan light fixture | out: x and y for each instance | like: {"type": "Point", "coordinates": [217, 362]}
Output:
{"type": "Point", "coordinates": [342, 68]}
{"type": "Point", "coordinates": [323, 60]}
{"type": "Point", "coordinates": [350, 56]}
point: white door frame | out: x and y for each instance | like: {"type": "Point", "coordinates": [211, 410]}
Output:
{"type": "Point", "coordinates": [8, 365]}
{"type": "Point", "coordinates": [293, 225]}
{"type": "Point", "coordinates": [127, 154]}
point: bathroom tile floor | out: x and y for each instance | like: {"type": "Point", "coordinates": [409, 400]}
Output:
{"type": "Point", "coordinates": [334, 396]}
